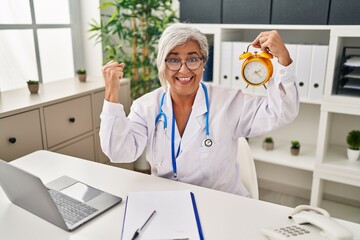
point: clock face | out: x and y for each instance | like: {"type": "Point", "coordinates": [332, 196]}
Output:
{"type": "Point", "coordinates": [256, 72]}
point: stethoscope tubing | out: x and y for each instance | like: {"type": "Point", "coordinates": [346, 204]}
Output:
{"type": "Point", "coordinates": [207, 142]}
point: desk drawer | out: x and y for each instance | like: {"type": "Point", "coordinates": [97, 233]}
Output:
{"type": "Point", "coordinates": [67, 120]}
{"type": "Point", "coordinates": [83, 148]}
{"type": "Point", "coordinates": [20, 134]}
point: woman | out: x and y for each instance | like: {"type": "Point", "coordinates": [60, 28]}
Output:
{"type": "Point", "coordinates": [191, 130]}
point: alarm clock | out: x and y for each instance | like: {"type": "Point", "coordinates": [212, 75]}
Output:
{"type": "Point", "coordinates": [257, 68]}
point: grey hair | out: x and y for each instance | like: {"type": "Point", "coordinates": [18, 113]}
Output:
{"type": "Point", "coordinates": [176, 35]}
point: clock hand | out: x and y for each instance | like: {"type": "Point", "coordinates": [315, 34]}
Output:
{"type": "Point", "coordinates": [257, 73]}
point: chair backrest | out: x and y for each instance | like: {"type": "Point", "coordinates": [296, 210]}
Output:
{"type": "Point", "coordinates": [247, 168]}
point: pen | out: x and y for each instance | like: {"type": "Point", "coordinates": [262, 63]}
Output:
{"type": "Point", "coordinates": [136, 234]}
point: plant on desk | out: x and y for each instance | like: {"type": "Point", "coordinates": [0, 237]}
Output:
{"type": "Point", "coordinates": [268, 144]}
{"type": "Point", "coordinates": [81, 74]}
{"type": "Point", "coordinates": [353, 142]}
{"type": "Point", "coordinates": [33, 86]}
{"type": "Point", "coordinates": [295, 147]}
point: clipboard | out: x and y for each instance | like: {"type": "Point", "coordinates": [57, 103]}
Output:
{"type": "Point", "coordinates": [176, 216]}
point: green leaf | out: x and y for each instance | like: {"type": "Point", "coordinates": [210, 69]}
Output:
{"type": "Point", "coordinates": [116, 33]}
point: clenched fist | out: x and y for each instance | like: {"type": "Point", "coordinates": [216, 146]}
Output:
{"type": "Point", "coordinates": [112, 73]}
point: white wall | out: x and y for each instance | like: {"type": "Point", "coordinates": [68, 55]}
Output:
{"type": "Point", "coordinates": [92, 52]}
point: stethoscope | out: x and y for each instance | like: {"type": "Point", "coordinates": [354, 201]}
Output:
{"type": "Point", "coordinates": [207, 141]}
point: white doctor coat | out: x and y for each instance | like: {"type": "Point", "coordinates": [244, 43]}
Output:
{"type": "Point", "coordinates": [232, 114]}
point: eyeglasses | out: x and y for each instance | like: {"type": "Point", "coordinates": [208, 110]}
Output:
{"type": "Point", "coordinates": [175, 64]}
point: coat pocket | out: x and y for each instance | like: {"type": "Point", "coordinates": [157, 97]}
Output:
{"type": "Point", "coordinates": [213, 159]}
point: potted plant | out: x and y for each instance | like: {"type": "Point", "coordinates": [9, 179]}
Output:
{"type": "Point", "coordinates": [81, 74]}
{"type": "Point", "coordinates": [353, 142]}
{"type": "Point", "coordinates": [129, 31]}
{"type": "Point", "coordinates": [33, 86]}
{"type": "Point", "coordinates": [295, 147]}
{"type": "Point", "coordinates": [268, 143]}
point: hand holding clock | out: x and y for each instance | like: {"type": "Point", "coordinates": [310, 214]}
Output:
{"type": "Point", "coordinates": [271, 41]}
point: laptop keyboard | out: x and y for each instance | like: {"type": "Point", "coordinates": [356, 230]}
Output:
{"type": "Point", "coordinates": [71, 209]}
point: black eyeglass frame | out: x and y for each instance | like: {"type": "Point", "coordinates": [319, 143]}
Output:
{"type": "Point", "coordinates": [184, 61]}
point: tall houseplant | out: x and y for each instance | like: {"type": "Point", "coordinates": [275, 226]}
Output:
{"type": "Point", "coordinates": [129, 31]}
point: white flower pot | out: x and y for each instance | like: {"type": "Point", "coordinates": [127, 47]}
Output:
{"type": "Point", "coordinates": [353, 155]}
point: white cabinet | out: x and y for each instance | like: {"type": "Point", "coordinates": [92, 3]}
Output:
{"type": "Point", "coordinates": [63, 117]}
{"type": "Point", "coordinates": [321, 172]}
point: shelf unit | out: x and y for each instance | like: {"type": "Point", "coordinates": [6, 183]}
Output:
{"type": "Point", "coordinates": [322, 124]}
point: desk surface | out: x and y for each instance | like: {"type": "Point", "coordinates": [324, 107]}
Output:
{"type": "Point", "coordinates": [222, 215]}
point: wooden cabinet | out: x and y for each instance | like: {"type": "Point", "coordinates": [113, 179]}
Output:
{"type": "Point", "coordinates": [98, 104]}
{"type": "Point", "coordinates": [68, 119]}
{"type": "Point", "coordinates": [82, 148]}
{"type": "Point", "coordinates": [20, 134]}
{"type": "Point", "coordinates": [63, 117]}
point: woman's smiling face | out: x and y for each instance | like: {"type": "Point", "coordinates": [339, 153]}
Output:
{"type": "Point", "coordinates": [185, 82]}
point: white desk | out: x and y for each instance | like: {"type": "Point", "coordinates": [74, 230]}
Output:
{"type": "Point", "coordinates": [222, 215]}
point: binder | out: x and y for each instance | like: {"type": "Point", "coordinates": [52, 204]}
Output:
{"type": "Point", "coordinates": [318, 71]}
{"type": "Point", "coordinates": [303, 66]}
{"type": "Point", "coordinates": [226, 64]}
{"type": "Point", "coordinates": [237, 81]}
{"type": "Point", "coordinates": [176, 215]}
{"type": "Point", "coordinates": [292, 48]}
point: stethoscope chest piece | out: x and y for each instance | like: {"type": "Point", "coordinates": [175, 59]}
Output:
{"type": "Point", "coordinates": [207, 142]}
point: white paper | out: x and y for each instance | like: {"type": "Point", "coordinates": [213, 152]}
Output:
{"type": "Point", "coordinates": [352, 62]}
{"type": "Point", "coordinates": [353, 74]}
{"type": "Point", "coordinates": [174, 217]}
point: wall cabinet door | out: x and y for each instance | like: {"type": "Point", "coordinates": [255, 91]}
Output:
{"type": "Point", "coordinates": [20, 134]}
{"type": "Point", "coordinates": [200, 11]}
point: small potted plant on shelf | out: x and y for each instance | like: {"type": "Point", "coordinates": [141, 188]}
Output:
{"type": "Point", "coordinates": [81, 74]}
{"type": "Point", "coordinates": [33, 86]}
{"type": "Point", "coordinates": [295, 147]}
{"type": "Point", "coordinates": [353, 142]}
{"type": "Point", "coordinates": [268, 143]}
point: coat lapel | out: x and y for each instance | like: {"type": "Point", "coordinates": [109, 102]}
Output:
{"type": "Point", "coordinates": [197, 118]}
{"type": "Point", "coordinates": [195, 123]}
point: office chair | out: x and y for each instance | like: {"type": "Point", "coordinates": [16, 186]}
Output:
{"type": "Point", "coordinates": [247, 168]}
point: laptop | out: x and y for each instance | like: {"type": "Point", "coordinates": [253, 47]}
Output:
{"type": "Point", "coordinates": [64, 202]}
